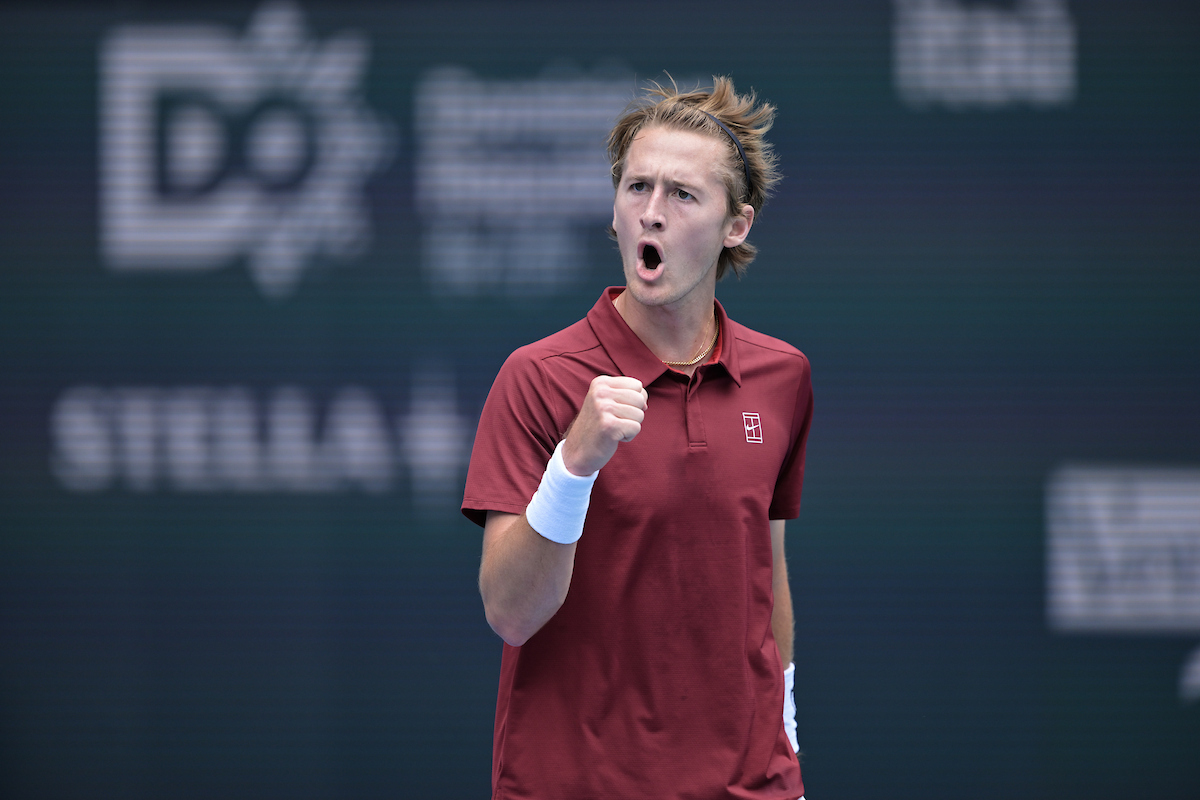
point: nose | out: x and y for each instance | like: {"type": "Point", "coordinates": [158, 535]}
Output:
{"type": "Point", "coordinates": [654, 212]}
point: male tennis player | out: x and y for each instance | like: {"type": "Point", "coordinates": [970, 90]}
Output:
{"type": "Point", "coordinates": [633, 473]}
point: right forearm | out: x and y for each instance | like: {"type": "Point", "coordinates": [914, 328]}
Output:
{"type": "Point", "coordinates": [528, 559]}
{"type": "Point", "coordinates": [523, 577]}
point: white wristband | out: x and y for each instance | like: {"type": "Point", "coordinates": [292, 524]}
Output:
{"type": "Point", "coordinates": [560, 504]}
{"type": "Point", "coordinates": [789, 706]}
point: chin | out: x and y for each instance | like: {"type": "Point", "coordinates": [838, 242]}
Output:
{"type": "Point", "coordinates": [650, 296]}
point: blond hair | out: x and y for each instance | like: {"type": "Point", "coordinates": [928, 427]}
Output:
{"type": "Point", "coordinates": [706, 111]}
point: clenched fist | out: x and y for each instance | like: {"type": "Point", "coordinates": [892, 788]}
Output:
{"type": "Point", "coordinates": [612, 412]}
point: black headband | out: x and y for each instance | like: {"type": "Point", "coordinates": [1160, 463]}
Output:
{"type": "Point", "coordinates": [738, 145]}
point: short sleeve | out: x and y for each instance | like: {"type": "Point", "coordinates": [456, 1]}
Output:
{"type": "Point", "coordinates": [785, 503]}
{"type": "Point", "coordinates": [517, 435]}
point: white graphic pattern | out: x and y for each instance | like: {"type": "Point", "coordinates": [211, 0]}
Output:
{"type": "Point", "coordinates": [1123, 554]}
{"type": "Point", "coordinates": [222, 439]}
{"type": "Point", "coordinates": [510, 174]}
{"type": "Point", "coordinates": [753, 426]}
{"type": "Point", "coordinates": [984, 55]}
{"type": "Point", "coordinates": [215, 146]}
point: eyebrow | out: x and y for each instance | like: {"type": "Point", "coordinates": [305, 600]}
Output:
{"type": "Point", "coordinates": [690, 185]}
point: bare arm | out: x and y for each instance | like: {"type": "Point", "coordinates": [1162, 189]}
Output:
{"type": "Point", "coordinates": [782, 618]}
{"type": "Point", "coordinates": [523, 576]}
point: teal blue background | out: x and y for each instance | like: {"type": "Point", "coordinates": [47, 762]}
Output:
{"type": "Point", "coordinates": [984, 295]}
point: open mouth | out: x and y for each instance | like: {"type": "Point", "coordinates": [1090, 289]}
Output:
{"type": "Point", "coordinates": [651, 257]}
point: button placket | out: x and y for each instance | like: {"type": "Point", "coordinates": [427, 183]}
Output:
{"type": "Point", "coordinates": [697, 437]}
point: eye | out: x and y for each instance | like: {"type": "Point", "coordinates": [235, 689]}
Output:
{"type": "Point", "coordinates": [637, 186]}
{"type": "Point", "coordinates": [683, 194]}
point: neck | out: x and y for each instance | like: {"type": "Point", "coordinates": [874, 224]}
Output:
{"type": "Point", "coordinates": [673, 335]}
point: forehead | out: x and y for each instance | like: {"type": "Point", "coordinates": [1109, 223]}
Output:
{"type": "Point", "coordinates": [675, 154]}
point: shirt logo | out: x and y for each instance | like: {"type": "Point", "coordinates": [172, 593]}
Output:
{"type": "Point", "coordinates": [753, 427]}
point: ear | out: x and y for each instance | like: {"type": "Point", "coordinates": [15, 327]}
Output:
{"type": "Point", "coordinates": [739, 227]}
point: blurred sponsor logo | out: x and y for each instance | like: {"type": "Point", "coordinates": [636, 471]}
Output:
{"type": "Point", "coordinates": [208, 439]}
{"type": "Point", "coordinates": [215, 146]}
{"type": "Point", "coordinates": [1124, 553]}
{"type": "Point", "coordinates": [978, 55]}
{"type": "Point", "coordinates": [507, 173]}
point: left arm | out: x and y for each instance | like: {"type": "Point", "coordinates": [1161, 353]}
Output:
{"type": "Point", "coordinates": [782, 619]}
{"type": "Point", "coordinates": [783, 627]}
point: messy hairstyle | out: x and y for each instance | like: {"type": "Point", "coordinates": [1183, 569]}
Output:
{"type": "Point", "coordinates": [742, 115]}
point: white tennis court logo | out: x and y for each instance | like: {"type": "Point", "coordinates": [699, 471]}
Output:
{"type": "Point", "coordinates": [753, 427]}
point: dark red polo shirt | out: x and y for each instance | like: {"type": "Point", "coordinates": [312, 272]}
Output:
{"type": "Point", "coordinates": [659, 676]}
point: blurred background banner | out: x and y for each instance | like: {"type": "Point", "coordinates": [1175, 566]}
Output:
{"type": "Point", "coordinates": [260, 262]}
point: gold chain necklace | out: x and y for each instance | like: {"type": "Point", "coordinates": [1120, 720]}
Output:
{"type": "Point", "coordinates": [712, 342]}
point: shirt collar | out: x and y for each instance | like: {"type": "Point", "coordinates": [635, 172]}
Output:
{"type": "Point", "coordinates": [631, 355]}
